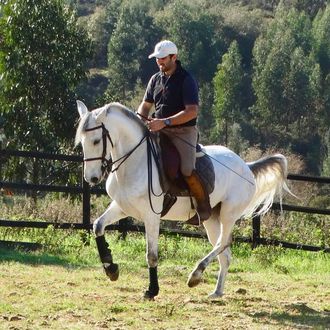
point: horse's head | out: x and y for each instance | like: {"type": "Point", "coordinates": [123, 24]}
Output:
{"type": "Point", "coordinates": [93, 137]}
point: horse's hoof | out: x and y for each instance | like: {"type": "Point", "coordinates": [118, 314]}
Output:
{"type": "Point", "coordinates": [194, 278]}
{"type": "Point", "coordinates": [149, 296]}
{"type": "Point", "coordinates": [112, 271]}
{"type": "Point", "coordinates": [215, 295]}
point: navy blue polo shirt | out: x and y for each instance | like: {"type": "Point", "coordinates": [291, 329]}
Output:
{"type": "Point", "coordinates": [171, 94]}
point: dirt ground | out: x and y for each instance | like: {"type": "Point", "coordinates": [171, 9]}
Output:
{"type": "Point", "coordinates": [56, 297]}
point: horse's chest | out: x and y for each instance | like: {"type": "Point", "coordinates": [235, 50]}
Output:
{"type": "Point", "coordinates": [128, 198]}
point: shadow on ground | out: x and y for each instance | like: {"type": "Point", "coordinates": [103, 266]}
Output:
{"type": "Point", "coordinates": [297, 315]}
{"type": "Point", "coordinates": [32, 258]}
{"type": "Point", "coordinates": [30, 254]}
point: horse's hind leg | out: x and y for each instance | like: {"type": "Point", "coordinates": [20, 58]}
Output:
{"type": "Point", "coordinates": [224, 262]}
{"type": "Point", "coordinates": [111, 215]}
{"type": "Point", "coordinates": [223, 242]}
{"type": "Point", "coordinates": [213, 232]}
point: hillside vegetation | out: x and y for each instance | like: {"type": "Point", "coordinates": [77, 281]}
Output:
{"type": "Point", "coordinates": [262, 67]}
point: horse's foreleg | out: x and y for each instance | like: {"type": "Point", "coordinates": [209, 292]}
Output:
{"type": "Point", "coordinates": [111, 269]}
{"type": "Point", "coordinates": [111, 215]}
{"type": "Point", "coordinates": [152, 234]}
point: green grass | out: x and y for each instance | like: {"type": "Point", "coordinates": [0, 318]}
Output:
{"type": "Point", "coordinates": [78, 248]}
{"type": "Point", "coordinates": [63, 286]}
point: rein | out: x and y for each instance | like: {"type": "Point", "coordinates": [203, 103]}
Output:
{"type": "Point", "coordinates": [108, 163]}
{"type": "Point", "coordinates": [152, 151]}
{"type": "Point", "coordinates": [216, 160]}
{"type": "Point", "coordinates": [123, 158]}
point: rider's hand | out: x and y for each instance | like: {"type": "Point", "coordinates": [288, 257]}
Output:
{"type": "Point", "coordinates": [156, 125]}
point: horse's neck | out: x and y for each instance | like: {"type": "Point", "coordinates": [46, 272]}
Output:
{"type": "Point", "coordinates": [127, 137]}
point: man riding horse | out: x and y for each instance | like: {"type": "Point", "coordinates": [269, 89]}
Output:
{"type": "Point", "coordinates": [174, 93]}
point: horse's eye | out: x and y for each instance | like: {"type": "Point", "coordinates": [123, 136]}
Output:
{"type": "Point", "coordinates": [96, 142]}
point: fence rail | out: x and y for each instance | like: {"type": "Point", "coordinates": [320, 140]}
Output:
{"type": "Point", "coordinates": [125, 226]}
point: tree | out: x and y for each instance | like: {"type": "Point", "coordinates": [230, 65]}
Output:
{"type": "Point", "coordinates": [321, 47]}
{"type": "Point", "coordinates": [196, 33]}
{"type": "Point", "coordinates": [128, 50]}
{"type": "Point", "coordinates": [287, 84]}
{"type": "Point", "coordinates": [100, 26]}
{"type": "Point", "coordinates": [42, 58]}
{"type": "Point", "coordinates": [321, 37]}
{"type": "Point", "coordinates": [205, 116]}
{"type": "Point", "coordinates": [310, 7]}
{"type": "Point", "coordinates": [228, 93]}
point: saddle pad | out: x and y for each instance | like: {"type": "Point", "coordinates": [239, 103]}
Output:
{"type": "Point", "coordinates": [172, 180]}
{"type": "Point", "coordinates": [205, 169]}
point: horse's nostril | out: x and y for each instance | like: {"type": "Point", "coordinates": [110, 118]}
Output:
{"type": "Point", "coordinates": [94, 179]}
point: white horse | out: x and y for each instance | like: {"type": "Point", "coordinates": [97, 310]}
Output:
{"type": "Point", "coordinates": [114, 134]}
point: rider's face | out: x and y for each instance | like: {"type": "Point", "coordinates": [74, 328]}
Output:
{"type": "Point", "coordinates": [166, 64]}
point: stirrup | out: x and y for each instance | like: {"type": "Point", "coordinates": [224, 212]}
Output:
{"type": "Point", "coordinates": [195, 220]}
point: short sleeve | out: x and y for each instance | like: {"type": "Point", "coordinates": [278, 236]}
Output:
{"type": "Point", "coordinates": [190, 91]}
{"type": "Point", "coordinates": [149, 93]}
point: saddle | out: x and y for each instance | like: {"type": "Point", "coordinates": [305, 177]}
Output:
{"type": "Point", "coordinates": [173, 182]}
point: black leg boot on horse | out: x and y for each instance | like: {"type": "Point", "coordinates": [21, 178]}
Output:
{"type": "Point", "coordinates": [199, 191]}
{"type": "Point", "coordinates": [111, 269]}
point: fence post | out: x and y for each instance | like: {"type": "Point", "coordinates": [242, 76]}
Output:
{"type": "Point", "coordinates": [2, 136]}
{"type": "Point", "coordinates": [86, 202]}
{"type": "Point", "coordinates": [255, 231]}
{"type": "Point", "coordinates": [0, 157]}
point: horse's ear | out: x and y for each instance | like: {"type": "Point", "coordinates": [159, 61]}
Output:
{"type": "Point", "coordinates": [100, 116]}
{"type": "Point", "coordinates": [82, 109]}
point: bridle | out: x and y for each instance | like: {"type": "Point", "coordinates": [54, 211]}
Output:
{"type": "Point", "coordinates": [106, 163]}
{"type": "Point", "coordinates": [106, 166]}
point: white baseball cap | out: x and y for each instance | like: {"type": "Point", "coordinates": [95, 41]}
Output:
{"type": "Point", "coordinates": [163, 49]}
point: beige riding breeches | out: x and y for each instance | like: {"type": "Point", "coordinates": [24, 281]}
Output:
{"type": "Point", "coordinates": [185, 139]}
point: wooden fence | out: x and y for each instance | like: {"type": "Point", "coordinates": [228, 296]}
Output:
{"type": "Point", "coordinates": [125, 225]}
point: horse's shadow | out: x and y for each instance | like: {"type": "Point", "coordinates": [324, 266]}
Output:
{"type": "Point", "coordinates": [292, 315]}
{"type": "Point", "coordinates": [295, 314]}
{"type": "Point", "coordinates": [29, 255]}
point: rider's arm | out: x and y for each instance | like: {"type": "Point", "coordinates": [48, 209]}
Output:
{"type": "Point", "coordinates": [148, 100]}
{"type": "Point", "coordinates": [190, 99]}
{"type": "Point", "coordinates": [144, 109]}
{"type": "Point", "coordinates": [189, 113]}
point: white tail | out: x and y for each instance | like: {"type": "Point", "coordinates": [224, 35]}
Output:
{"type": "Point", "coordinates": [270, 175]}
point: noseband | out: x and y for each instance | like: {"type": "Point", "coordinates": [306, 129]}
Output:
{"type": "Point", "coordinates": [106, 163]}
